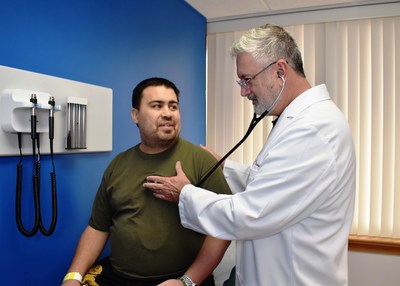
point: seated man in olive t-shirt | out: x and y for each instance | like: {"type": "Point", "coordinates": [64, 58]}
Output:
{"type": "Point", "coordinates": [148, 243]}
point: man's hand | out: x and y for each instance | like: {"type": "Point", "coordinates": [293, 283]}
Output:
{"type": "Point", "coordinates": [167, 188]}
{"type": "Point", "coordinates": [71, 282]}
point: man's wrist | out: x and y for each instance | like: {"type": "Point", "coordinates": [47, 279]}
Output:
{"type": "Point", "coordinates": [73, 276]}
{"type": "Point", "coordinates": [187, 281]}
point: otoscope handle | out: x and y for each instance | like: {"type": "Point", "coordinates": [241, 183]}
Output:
{"type": "Point", "coordinates": [51, 127]}
{"type": "Point", "coordinates": [51, 117]}
{"type": "Point", "coordinates": [33, 126]}
{"type": "Point", "coordinates": [33, 116]}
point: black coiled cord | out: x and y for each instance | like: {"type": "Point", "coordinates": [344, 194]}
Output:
{"type": "Point", "coordinates": [52, 227]}
{"type": "Point", "coordinates": [19, 195]}
{"type": "Point", "coordinates": [38, 223]}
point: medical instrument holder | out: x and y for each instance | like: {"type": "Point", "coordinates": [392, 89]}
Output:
{"type": "Point", "coordinates": [16, 109]}
{"type": "Point", "coordinates": [25, 111]}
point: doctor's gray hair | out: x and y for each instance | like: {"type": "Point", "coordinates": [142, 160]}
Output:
{"type": "Point", "coordinates": [270, 43]}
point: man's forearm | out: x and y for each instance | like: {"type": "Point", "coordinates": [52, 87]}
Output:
{"type": "Point", "coordinates": [210, 255]}
{"type": "Point", "coordinates": [90, 245]}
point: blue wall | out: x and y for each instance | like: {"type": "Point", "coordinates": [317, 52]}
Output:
{"type": "Point", "coordinates": [111, 43]}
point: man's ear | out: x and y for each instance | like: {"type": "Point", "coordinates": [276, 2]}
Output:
{"type": "Point", "coordinates": [134, 115]}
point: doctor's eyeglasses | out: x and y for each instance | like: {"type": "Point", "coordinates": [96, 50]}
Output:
{"type": "Point", "coordinates": [246, 82]}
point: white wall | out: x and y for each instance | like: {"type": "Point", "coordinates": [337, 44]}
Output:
{"type": "Point", "coordinates": [370, 269]}
{"type": "Point", "coordinates": [365, 269]}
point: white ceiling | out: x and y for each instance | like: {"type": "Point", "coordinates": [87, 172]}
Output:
{"type": "Point", "coordinates": [214, 10]}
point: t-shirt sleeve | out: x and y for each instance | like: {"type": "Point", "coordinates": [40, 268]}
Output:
{"type": "Point", "coordinates": [101, 217]}
{"type": "Point", "coordinates": [216, 182]}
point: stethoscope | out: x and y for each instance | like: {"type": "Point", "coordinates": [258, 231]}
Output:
{"type": "Point", "coordinates": [38, 224]}
{"type": "Point", "coordinates": [252, 125]}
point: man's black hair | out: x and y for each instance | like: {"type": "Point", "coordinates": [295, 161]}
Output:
{"type": "Point", "coordinates": [154, 81]}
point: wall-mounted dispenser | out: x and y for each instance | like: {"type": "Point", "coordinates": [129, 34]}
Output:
{"type": "Point", "coordinates": [76, 123]}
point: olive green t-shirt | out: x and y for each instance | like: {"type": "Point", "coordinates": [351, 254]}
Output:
{"type": "Point", "coordinates": [146, 236]}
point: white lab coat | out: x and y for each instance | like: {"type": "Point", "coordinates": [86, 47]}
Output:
{"type": "Point", "coordinates": [292, 210]}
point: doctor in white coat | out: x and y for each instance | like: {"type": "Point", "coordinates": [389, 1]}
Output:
{"type": "Point", "coordinates": [292, 209]}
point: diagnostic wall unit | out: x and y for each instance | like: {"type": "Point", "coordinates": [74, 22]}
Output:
{"type": "Point", "coordinates": [91, 105]}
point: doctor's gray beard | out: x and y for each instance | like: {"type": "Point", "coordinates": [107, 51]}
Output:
{"type": "Point", "coordinates": [260, 106]}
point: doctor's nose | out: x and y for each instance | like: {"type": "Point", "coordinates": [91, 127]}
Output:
{"type": "Point", "coordinates": [245, 91]}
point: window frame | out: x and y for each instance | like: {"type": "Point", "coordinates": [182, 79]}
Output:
{"type": "Point", "coordinates": [374, 244]}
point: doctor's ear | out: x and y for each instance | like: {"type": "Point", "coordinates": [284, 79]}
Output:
{"type": "Point", "coordinates": [282, 66]}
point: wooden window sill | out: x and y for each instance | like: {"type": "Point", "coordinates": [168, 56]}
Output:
{"type": "Point", "coordinates": [374, 244]}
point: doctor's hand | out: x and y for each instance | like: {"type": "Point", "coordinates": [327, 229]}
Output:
{"type": "Point", "coordinates": [167, 188]}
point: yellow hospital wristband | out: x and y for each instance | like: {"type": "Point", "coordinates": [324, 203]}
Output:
{"type": "Point", "coordinates": [73, 276]}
